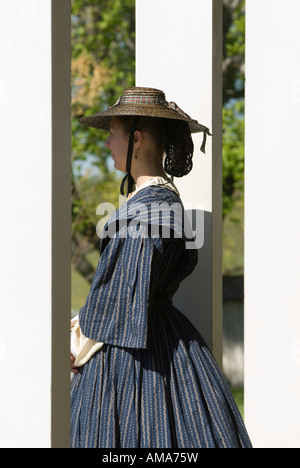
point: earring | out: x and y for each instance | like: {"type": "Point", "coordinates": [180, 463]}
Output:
{"type": "Point", "coordinates": [136, 155]}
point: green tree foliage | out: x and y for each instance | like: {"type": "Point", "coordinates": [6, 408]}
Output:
{"type": "Point", "coordinates": [233, 135]}
{"type": "Point", "coordinates": [233, 103]}
{"type": "Point", "coordinates": [233, 49]}
{"type": "Point", "coordinates": [103, 37]}
{"type": "Point", "coordinates": [233, 154]}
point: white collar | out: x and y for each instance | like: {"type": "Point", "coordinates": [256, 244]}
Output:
{"type": "Point", "coordinates": [158, 181]}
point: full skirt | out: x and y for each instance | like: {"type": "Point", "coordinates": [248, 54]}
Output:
{"type": "Point", "coordinates": [169, 395]}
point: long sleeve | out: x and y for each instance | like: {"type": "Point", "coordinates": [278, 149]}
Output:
{"type": "Point", "coordinates": [137, 245]}
{"type": "Point", "coordinates": [117, 305]}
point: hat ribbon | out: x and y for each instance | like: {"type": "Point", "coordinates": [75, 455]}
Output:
{"type": "Point", "coordinates": [137, 99]}
{"type": "Point", "coordinates": [172, 105]}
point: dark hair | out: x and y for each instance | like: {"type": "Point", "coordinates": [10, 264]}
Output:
{"type": "Point", "coordinates": [179, 148]}
{"type": "Point", "coordinates": [171, 136]}
{"type": "Point", "coordinates": [151, 125]}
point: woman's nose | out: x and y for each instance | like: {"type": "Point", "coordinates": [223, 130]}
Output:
{"type": "Point", "coordinates": [107, 143]}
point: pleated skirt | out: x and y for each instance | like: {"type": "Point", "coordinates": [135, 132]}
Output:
{"type": "Point", "coordinates": [170, 395]}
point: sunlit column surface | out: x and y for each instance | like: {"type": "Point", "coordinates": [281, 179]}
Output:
{"type": "Point", "coordinates": [35, 226]}
{"type": "Point", "coordinates": [272, 223]}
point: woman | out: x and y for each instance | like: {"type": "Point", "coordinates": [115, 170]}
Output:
{"type": "Point", "coordinates": [153, 383]}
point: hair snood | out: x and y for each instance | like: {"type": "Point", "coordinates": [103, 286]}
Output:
{"type": "Point", "coordinates": [179, 148]}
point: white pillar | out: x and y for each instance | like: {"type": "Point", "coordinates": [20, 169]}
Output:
{"type": "Point", "coordinates": [179, 50]}
{"type": "Point", "coordinates": [35, 226]}
{"type": "Point", "coordinates": [272, 223]}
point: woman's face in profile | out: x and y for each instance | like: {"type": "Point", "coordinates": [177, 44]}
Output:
{"type": "Point", "coordinates": [117, 143]}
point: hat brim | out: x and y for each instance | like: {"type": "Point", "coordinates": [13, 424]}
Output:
{"type": "Point", "coordinates": [102, 120]}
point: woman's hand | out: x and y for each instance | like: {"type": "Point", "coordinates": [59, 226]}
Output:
{"type": "Point", "coordinates": [74, 369]}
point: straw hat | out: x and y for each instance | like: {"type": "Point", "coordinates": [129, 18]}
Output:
{"type": "Point", "coordinates": [148, 102]}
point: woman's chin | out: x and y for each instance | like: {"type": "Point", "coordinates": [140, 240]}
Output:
{"type": "Point", "coordinates": [118, 167]}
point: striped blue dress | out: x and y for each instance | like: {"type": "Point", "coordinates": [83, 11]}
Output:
{"type": "Point", "coordinates": [154, 384]}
